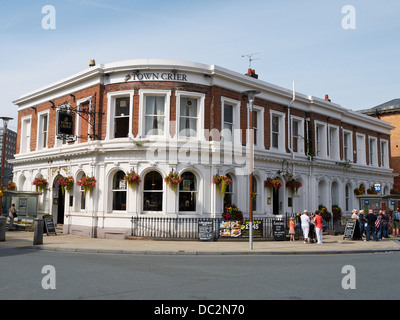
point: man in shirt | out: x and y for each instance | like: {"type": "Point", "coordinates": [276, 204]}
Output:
{"type": "Point", "coordinates": [371, 218]}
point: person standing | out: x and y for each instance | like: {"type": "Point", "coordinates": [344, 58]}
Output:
{"type": "Point", "coordinates": [292, 230]}
{"type": "Point", "coordinates": [318, 227]}
{"type": "Point", "coordinates": [12, 213]}
{"type": "Point", "coordinates": [396, 222]}
{"type": "Point", "coordinates": [385, 224]}
{"type": "Point", "coordinates": [363, 221]}
{"type": "Point", "coordinates": [305, 225]}
{"type": "Point", "coordinates": [371, 219]}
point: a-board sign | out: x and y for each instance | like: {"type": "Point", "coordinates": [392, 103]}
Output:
{"type": "Point", "coordinates": [206, 230]}
{"type": "Point", "coordinates": [278, 228]}
{"type": "Point", "coordinates": [50, 227]}
{"type": "Point", "coordinates": [257, 229]}
{"type": "Point", "coordinates": [352, 230]}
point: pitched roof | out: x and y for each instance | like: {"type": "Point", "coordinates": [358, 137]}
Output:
{"type": "Point", "coordinates": [391, 106]}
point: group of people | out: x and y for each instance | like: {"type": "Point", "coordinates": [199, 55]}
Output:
{"type": "Point", "coordinates": [378, 225]}
{"type": "Point", "coordinates": [305, 222]}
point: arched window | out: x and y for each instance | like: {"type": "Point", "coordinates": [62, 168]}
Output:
{"type": "Point", "coordinates": [119, 192]}
{"type": "Point", "coordinates": [153, 192]}
{"type": "Point", "coordinates": [188, 192]}
{"type": "Point", "coordinates": [228, 200]}
{"type": "Point", "coordinates": [81, 203]}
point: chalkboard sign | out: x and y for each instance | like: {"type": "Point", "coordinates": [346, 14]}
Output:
{"type": "Point", "coordinates": [206, 230]}
{"type": "Point", "coordinates": [50, 227]}
{"type": "Point", "coordinates": [352, 230]}
{"type": "Point", "coordinates": [278, 228]}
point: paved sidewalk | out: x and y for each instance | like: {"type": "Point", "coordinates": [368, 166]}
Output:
{"type": "Point", "coordinates": [71, 243]}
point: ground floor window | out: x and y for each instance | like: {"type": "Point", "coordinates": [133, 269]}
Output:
{"type": "Point", "coordinates": [153, 192]}
{"type": "Point", "coordinates": [188, 192]}
{"type": "Point", "coordinates": [119, 192]}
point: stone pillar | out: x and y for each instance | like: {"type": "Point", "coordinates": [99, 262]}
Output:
{"type": "Point", "coordinates": [3, 227]}
{"type": "Point", "coordinates": [38, 232]}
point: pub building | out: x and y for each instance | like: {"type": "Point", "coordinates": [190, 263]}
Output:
{"type": "Point", "coordinates": [153, 119]}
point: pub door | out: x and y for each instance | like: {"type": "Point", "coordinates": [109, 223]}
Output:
{"type": "Point", "coordinates": [60, 207]}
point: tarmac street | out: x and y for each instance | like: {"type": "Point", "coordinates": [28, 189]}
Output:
{"type": "Point", "coordinates": [72, 243]}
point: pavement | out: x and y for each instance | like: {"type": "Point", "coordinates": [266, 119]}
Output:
{"type": "Point", "coordinates": [71, 243]}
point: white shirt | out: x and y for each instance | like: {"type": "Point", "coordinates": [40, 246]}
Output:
{"type": "Point", "coordinates": [305, 220]}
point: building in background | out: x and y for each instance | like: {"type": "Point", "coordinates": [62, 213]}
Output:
{"type": "Point", "coordinates": [390, 112]}
{"type": "Point", "coordinates": [160, 118]}
{"type": "Point", "coordinates": [10, 145]}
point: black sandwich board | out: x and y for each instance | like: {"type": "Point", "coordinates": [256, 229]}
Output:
{"type": "Point", "coordinates": [278, 228]}
{"type": "Point", "coordinates": [352, 230]}
{"type": "Point", "coordinates": [206, 230]}
{"type": "Point", "coordinates": [50, 227]}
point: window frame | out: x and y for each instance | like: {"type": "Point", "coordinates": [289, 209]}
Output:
{"type": "Point", "coordinates": [321, 140]}
{"type": "Point", "coordinates": [282, 131]}
{"type": "Point", "coordinates": [111, 106]}
{"type": "Point", "coordinates": [259, 131]}
{"type": "Point", "coordinates": [162, 191]}
{"type": "Point", "coordinates": [143, 93]}
{"type": "Point", "coordinates": [384, 153]}
{"type": "Point", "coordinates": [350, 152]}
{"type": "Point", "coordinates": [300, 137]}
{"type": "Point", "coordinates": [200, 97]}
{"type": "Point", "coordinates": [195, 192]}
{"type": "Point", "coordinates": [236, 136]}
{"type": "Point", "coordinates": [334, 144]}
{"type": "Point", "coordinates": [42, 136]}
{"type": "Point", "coordinates": [373, 157]}
{"type": "Point", "coordinates": [361, 149]}
{"type": "Point", "coordinates": [25, 139]}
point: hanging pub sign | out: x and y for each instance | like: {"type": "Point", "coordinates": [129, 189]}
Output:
{"type": "Point", "coordinates": [65, 123]}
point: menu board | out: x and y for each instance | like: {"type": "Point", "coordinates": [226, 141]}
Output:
{"type": "Point", "coordinates": [278, 228]}
{"type": "Point", "coordinates": [206, 230]}
{"type": "Point", "coordinates": [257, 229]}
{"type": "Point", "coordinates": [230, 229]}
{"type": "Point", "coordinates": [352, 229]}
{"type": "Point", "coordinates": [50, 227]}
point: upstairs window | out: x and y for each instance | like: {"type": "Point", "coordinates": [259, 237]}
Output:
{"type": "Point", "coordinates": [155, 116]}
{"type": "Point", "coordinates": [121, 117]}
{"type": "Point", "coordinates": [188, 118]}
{"type": "Point", "coordinates": [43, 131]}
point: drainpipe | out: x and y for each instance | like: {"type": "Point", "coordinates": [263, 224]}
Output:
{"type": "Point", "coordinates": [290, 122]}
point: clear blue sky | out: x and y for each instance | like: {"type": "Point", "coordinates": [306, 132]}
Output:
{"type": "Point", "coordinates": [297, 40]}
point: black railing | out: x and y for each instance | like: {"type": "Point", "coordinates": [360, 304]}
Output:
{"type": "Point", "coordinates": [186, 228]}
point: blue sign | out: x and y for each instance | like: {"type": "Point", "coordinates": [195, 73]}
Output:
{"type": "Point", "coordinates": [393, 202]}
{"type": "Point", "coordinates": [378, 188]}
{"type": "Point", "coordinates": [366, 202]}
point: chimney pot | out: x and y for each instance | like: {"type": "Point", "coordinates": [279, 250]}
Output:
{"type": "Point", "coordinates": [92, 63]}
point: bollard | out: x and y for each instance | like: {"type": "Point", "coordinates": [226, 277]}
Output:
{"type": "Point", "coordinates": [11, 224]}
{"type": "Point", "coordinates": [38, 232]}
{"type": "Point", "coordinates": [3, 227]}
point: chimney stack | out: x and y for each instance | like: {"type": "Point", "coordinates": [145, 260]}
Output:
{"type": "Point", "coordinates": [252, 73]}
{"type": "Point", "coordinates": [327, 98]}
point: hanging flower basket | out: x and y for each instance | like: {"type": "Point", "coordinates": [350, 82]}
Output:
{"type": "Point", "coordinates": [87, 183]}
{"type": "Point", "coordinates": [40, 184]}
{"type": "Point", "coordinates": [360, 190]}
{"type": "Point", "coordinates": [294, 185]}
{"type": "Point", "coordinates": [337, 212]}
{"type": "Point", "coordinates": [395, 191]}
{"type": "Point", "coordinates": [173, 179]}
{"type": "Point", "coordinates": [11, 186]}
{"type": "Point", "coordinates": [66, 184]}
{"type": "Point", "coordinates": [232, 213]}
{"type": "Point", "coordinates": [221, 182]}
{"type": "Point", "coordinates": [133, 179]}
{"type": "Point", "coordinates": [273, 183]}
{"type": "Point", "coordinates": [371, 190]}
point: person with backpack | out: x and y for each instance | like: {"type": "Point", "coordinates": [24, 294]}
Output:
{"type": "Point", "coordinates": [395, 222]}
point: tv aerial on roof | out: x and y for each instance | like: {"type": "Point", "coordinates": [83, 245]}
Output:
{"type": "Point", "coordinates": [251, 59]}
